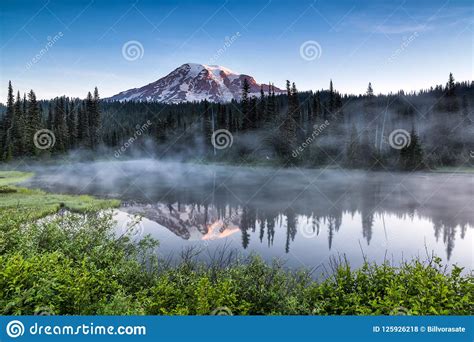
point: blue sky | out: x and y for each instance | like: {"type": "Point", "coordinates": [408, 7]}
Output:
{"type": "Point", "coordinates": [393, 44]}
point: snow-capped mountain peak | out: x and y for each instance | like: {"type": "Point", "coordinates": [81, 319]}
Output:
{"type": "Point", "coordinates": [194, 82]}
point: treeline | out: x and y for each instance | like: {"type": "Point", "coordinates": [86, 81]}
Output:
{"type": "Point", "coordinates": [297, 128]}
{"type": "Point", "coordinates": [73, 122]}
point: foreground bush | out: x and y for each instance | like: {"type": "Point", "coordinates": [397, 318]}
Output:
{"type": "Point", "coordinates": [75, 264]}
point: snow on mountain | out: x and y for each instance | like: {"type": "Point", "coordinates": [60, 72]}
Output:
{"type": "Point", "coordinates": [194, 82]}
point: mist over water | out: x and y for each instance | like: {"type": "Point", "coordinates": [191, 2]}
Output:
{"type": "Point", "coordinates": [304, 216]}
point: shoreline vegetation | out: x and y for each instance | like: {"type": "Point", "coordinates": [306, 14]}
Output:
{"type": "Point", "coordinates": [39, 203]}
{"type": "Point", "coordinates": [74, 263]}
{"type": "Point", "coordinates": [422, 130]}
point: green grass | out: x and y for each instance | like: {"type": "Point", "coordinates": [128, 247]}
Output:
{"type": "Point", "coordinates": [13, 177]}
{"type": "Point", "coordinates": [38, 203]}
{"type": "Point", "coordinates": [453, 169]}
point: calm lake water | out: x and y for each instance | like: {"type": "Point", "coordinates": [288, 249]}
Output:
{"type": "Point", "coordinates": [302, 216]}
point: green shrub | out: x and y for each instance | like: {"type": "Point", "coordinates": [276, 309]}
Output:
{"type": "Point", "coordinates": [75, 264]}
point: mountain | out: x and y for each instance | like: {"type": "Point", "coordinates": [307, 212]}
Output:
{"type": "Point", "coordinates": [194, 82]}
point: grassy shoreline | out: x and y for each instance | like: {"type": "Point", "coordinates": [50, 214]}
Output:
{"type": "Point", "coordinates": [75, 264]}
{"type": "Point", "coordinates": [39, 203]}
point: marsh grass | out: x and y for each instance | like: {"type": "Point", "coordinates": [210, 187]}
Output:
{"type": "Point", "coordinates": [34, 203]}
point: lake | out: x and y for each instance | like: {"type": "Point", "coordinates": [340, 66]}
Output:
{"type": "Point", "coordinates": [304, 216]}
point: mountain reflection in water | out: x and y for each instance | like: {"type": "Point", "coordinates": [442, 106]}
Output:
{"type": "Point", "coordinates": [285, 211]}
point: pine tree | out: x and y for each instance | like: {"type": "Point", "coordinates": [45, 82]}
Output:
{"type": "Point", "coordinates": [296, 111]}
{"type": "Point", "coordinates": [451, 85]}
{"type": "Point", "coordinates": [288, 127]}
{"type": "Point", "coordinates": [411, 156]}
{"type": "Point", "coordinates": [94, 119]}
{"type": "Point", "coordinates": [309, 118]}
{"type": "Point", "coordinates": [18, 125]}
{"type": "Point", "coordinates": [6, 143]}
{"type": "Point", "coordinates": [90, 110]}
{"type": "Point", "coordinates": [261, 106]}
{"type": "Point", "coordinates": [317, 106]}
{"type": "Point", "coordinates": [332, 98]}
{"type": "Point", "coordinates": [207, 125]}
{"type": "Point", "coordinates": [270, 109]}
{"type": "Point", "coordinates": [82, 125]}
{"type": "Point", "coordinates": [50, 118]}
{"type": "Point", "coordinates": [451, 101]}
{"type": "Point", "coordinates": [353, 151]}
{"type": "Point", "coordinates": [71, 122]}
{"type": "Point", "coordinates": [33, 121]}
{"type": "Point", "coordinates": [59, 125]}
{"type": "Point", "coordinates": [253, 113]}
{"type": "Point", "coordinates": [465, 111]}
{"type": "Point", "coordinates": [370, 91]}
{"type": "Point", "coordinates": [245, 105]}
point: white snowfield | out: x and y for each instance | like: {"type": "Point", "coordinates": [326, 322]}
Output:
{"type": "Point", "coordinates": [194, 82]}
